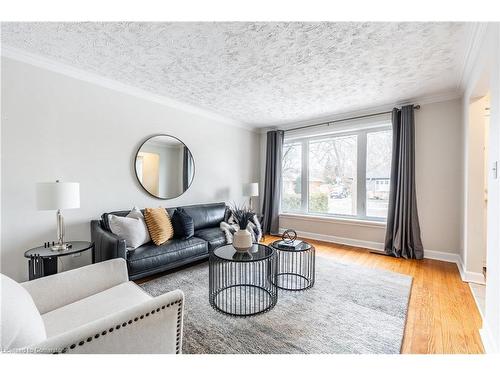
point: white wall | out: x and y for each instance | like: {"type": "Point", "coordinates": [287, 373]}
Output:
{"type": "Point", "coordinates": [438, 152]}
{"type": "Point", "coordinates": [483, 78]}
{"type": "Point", "coordinates": [54, 126]}
{"type": "Point", "coordinates": [439, 178]}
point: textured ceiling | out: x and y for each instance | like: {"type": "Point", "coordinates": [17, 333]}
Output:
{"type": "Point", "coordinates": [260, 73]}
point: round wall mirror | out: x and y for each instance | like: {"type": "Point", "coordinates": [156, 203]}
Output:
{"type": "Point", "coordinates": [164, 166]}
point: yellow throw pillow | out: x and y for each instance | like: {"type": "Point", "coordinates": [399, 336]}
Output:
{"type": "Point", "coordinates": [159, 226]}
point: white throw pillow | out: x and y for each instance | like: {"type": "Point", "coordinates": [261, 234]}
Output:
{"type": "Point", "coordinates": [137, 214]}
{"type": "Point", "coordinates": [131, 228]}
{"type": "Point", "coordinates": [21, 323]}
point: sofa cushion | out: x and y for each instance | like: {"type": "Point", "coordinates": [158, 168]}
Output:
{"type": "Point", "coordinates": [206, 215]}
{"type": "Point", "coordinates": [21, 323]}
{"type": "Point", "coordinates": [214, 236]}
{"type": "Point", "coordinates": [150, 256]}
{"type": "Point", "coordinates": [183, 224]}
{"type": "Point", "coordinates": [96, 306]}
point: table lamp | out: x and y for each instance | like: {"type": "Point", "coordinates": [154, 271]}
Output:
{"type": "Point", "coordinates": [56, 196]}
{"type": "Point", "coordinates": [251, 190]}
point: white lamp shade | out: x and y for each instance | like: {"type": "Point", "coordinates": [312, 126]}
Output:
{"type": "Point", "coordinates": [251, 189]}
{"type": "Point", "coordinates": [57, 195]}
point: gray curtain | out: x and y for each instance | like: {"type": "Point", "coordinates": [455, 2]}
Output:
{"type": "Point", "coordinates": [272, 186]}
{"type": "Point", "coordinates": [402, 237]}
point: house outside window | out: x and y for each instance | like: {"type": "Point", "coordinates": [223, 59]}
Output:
{"type": "Point", "coordinates": [344, 172]}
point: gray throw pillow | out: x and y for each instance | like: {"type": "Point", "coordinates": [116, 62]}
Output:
{"type": "Point", "coordinates": [131, 228]}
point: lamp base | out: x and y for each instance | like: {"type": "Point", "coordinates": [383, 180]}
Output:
{"type": "Point", "coordinates": [60, 247]}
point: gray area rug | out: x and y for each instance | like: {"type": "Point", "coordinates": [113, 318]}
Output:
{"type": "Point", "coordinates": [350, 309]}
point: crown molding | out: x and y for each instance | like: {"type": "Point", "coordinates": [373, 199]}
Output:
{"type": "Point", "coordinates": [475, 32]}
{"type": "Point", "coordinates": [83, 75]}
{"type": "Point", "coordinates": [427, 99]}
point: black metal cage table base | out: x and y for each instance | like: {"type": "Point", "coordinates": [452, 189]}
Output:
{"type": "Point", "coordinates": [295, 267]}
{"type": "Point", "coordinates": [242, 283]}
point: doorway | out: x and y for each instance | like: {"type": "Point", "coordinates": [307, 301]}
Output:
{"type": "Point", "coordinates": [477, 196]}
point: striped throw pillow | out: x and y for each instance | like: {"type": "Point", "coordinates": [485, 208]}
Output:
{"type": "Point", "coordinates": [159, 225]}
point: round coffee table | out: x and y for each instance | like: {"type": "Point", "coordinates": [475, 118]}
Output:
{"type": "Point", "coordinates": [296, 267]}
{"type": "Point", "coordinates": [242, 283]}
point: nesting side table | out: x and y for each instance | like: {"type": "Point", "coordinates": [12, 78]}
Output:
{"type": "Point", "coordinates": [242, 283]}
{"type": "Point", "coordinates": [296, 268]}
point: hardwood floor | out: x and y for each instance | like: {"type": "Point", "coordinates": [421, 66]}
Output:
{"type": "Point", "coordinates": [442, 316]}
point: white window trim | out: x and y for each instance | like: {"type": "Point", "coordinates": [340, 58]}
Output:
{"type": "Point", "coordinates": [334, 219]}
{"type": "Point", "coordinates": [360, 181]}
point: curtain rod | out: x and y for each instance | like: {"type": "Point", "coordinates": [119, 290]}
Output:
{"type": "Point", "coordinates": [417, 106]}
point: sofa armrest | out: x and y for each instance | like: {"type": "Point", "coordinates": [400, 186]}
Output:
{"type": "Point", "coordinates": [107, 245]}
{"type": "Point", "coordinates": [54, 291]}
{"type": "Point", "coordinates": [154, 326]}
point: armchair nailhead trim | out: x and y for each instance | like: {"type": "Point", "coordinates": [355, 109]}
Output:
{"type": "Point", "coordinates": [179, 318]}
{"type": "Point", "coordinates": [117, 327]}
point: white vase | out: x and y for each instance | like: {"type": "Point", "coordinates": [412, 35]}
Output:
{"type": "Point", "coordinates": [242, 240]}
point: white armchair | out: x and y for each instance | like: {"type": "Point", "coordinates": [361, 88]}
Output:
{"type": "Point", "coordinates": [95, 309]}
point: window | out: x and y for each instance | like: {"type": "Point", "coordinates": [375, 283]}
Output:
{"type": "Point", "coordinates": [343, 174]}
{"type": "Point", "coordinates": [378, 172]}
{"type": "Point", "coordinates": [332, 175]}
{"type": "Point", "coordinates": [292, 176]}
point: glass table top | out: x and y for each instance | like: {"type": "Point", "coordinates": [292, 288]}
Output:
{"type": "Point", "coordinates": [47, 252]}
{"type": "Point", "coordinates": [255, 253]}
{"type": "Point", "coordinates": [303, 246]}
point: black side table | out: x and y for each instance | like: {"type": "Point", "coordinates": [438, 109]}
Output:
{"type": "Point", "coordinates": [43, 260]}
{"type": "Point", "coordinates": [296, 267]}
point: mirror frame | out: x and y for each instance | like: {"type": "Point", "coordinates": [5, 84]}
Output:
{"type": "Point", "coordinates": [135, 170]}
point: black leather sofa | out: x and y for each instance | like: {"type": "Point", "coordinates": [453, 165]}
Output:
{"type": "Point", "coordinates": [149, 259]}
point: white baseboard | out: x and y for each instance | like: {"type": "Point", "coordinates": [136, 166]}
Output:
{"type": "Point", "coordinates": [339, 240]}
{"type": "Point", "coordinates": [486, 338]}
{"type": "Point", "coordinates": [442, 256]}
{"type": "Point", "coordinates": [467, 276]}
{"type": "Point", "coordinates": [429, 254]}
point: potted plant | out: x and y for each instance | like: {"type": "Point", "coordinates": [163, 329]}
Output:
{"type": "Point", "coordinates": [242, 239]}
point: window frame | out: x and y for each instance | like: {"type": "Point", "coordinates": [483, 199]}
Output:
{"type": "Point", "coordinates": [361, 197]}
